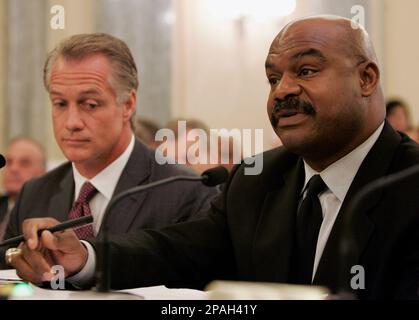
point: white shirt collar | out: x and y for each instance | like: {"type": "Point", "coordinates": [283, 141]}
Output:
{"type": "Point", "coordinates": [340, 174]}
{"type": "Point", "coordinates": [106, 180]}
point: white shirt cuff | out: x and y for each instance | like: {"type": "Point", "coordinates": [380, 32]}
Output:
{"type": "Point", "coordinates": [87, 274]}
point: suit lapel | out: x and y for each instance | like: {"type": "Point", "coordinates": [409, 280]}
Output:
{"type": "Point", "coordinates": [273, 241]}
{"type": "Point", "coordinates": [61, 202]}
{"type": "Point", "coordinates": [375, 165]}
{"type": "Point", "coordinates": [136, 172]}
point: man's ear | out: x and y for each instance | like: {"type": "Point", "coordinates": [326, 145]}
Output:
{"type": "Point", "coordinates": [130, 105]}
{"type": "Point", "coordinates": [369, 77]}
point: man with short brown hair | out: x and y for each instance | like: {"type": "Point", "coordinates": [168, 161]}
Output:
{"type": "Point", "coordinates": [92, 82]}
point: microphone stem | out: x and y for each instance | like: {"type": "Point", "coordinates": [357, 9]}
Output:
{"type": "Point", "coordinates": [103, 267]}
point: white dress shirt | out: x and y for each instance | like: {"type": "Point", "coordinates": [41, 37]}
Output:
{"type": "Point", "coordinates": [105, 182]}
{"type": "Point", "coordinates": [338, 178]}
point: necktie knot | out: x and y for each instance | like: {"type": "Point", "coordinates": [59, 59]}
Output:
{"type": "Point", "coordinates": [87, 192]}
{"type": "Point", "coordinates": [315, 186]}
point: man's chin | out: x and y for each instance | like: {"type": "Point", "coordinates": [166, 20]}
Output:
{"type": "Point", "coordinates": [296, 143]}
{"type": "Point", "coordinates": [76, 157]}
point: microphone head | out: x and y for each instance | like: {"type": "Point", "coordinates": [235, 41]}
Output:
{"type": "Point", "coordinates": [214, 176]}
{"type": "Point", "coordinates": [2, 161]}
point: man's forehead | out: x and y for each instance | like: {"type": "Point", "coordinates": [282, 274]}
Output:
{"type": "Point", "coordinates": [22, 148]}
{"type": "Point", "coordinates": [305, 33]}
{"type": "Point", "coordinates": [92, 64]}
{"type": "Point", "coordinates": [93, 73]}
{"type": "Point", "coordinates": [58, 76]}
{"type": "Point", "coordinates": [320, 39]}
{"type": "Point", "coordinates": [293, 52]}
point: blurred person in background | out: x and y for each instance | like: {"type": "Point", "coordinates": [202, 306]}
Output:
{"type": "Point", "coordinates": [398, 115]}
{"type": "Point", "coordinates": [182, 153]}
{"type": "Point", "coordinates": [227, 146]}
{"type": "Point", "coordinates": [145, 130]}
{"type": "Point", "coordinates": [25, 159]}
{"type": "Point", "coordinates": [222, 155]}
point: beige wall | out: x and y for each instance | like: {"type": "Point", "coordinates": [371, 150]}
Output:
{"type": "Point", "coordinates": [402, 52]}
{"type": "Point", "coordinates": [80, 18]}
{"type": "Point", "coordinates": [218, 73]}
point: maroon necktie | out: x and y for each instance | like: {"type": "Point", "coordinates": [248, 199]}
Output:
{"type": "Point", "coordinates": [81, 208]}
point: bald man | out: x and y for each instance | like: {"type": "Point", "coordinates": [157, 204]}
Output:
{"type": "Point", "coordinates": [25, 159]}
{"type": "Point", "coordinates": [286, 224]}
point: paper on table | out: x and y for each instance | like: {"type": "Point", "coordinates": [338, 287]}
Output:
{"type": "Point", "coordinates": [148, 293]}
{"type": "Point", "coordinates": [164, 293]}
{"type": "Point", "coordinates": [240, 290]}
{"type": "Point", "coordinates": [9, 275]}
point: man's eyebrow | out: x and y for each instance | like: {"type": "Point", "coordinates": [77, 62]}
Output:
{"type": "Point", "coordinates": [86, 92]}
{"type": "Point", "coordinates": [309, 52]}
{"type": "Point", "coordinates": [55, 93]}
{"type": "Point", "coordinates": [268, 65]}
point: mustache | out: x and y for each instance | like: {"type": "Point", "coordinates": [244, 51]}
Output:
{"type": "Point", "coordinates": [290, 104]}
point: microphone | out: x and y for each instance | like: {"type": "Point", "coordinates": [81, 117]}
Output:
{"type": "Point", "coordinates": [211, 177]}
{"type": "Point", "coordinates": [2, 161]}
{"type": "Point", "coordinates": [355, 206]}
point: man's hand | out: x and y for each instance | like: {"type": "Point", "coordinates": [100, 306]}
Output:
{"type": "Point", "coordinates": [40, 254]}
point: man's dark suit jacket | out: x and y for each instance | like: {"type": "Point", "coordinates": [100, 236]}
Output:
{"type": "Point", "coordinates": [4, 208]}
{"type": "Point", "coordinates": [248, 234]}
{"type": "Point", "coordinates": [52, 195]}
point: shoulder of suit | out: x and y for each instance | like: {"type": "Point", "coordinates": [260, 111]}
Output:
{"type": "Point", "coordinates": [51, 177]}
{"type": "Point", "coordinates": [274, 160]}
{"type": "Point", "coordinates": [4, 198]}
{"type": "Point", "coordinates": [276, 163]}
{"type": "Point", "coordinates": [407, 153]}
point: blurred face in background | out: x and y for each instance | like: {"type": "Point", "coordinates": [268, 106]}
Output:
{"type": "Point", "coordinates": [90, 127]}
{"type": "Point", "coordinates": [398, 118]}
{"type": "Point", "coordinates": [24, 161]}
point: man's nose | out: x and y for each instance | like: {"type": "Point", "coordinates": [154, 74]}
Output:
{"type": "Point", "coordinates": [13, 167]}
{"type": "Point", "coordinates": [287, 86]}
{"type": "Point", "coordinates": [74, 119]}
